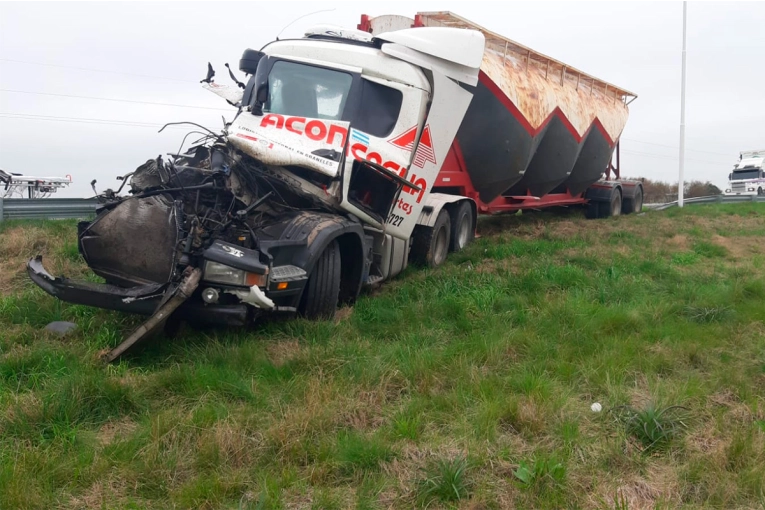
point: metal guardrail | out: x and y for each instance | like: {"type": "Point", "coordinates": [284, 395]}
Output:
{"type": "Point", "coordinates": [714, 199]}
{"type": "Point", "coordinates": [46, 208]}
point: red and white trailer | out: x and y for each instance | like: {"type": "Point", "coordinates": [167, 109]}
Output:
{"type": "Point", "coordinates": [538, 132]}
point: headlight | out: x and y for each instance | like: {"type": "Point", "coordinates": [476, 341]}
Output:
{"type": "Point", "coordinates": [750, 189]}
{"type": "Point", "coordinates": [227, 275]}
{"type": "Point", "coordinates": [727, 191]}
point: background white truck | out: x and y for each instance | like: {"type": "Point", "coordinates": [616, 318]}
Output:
{"type": "Point", "coordinates": [15, 185]}
{"type": "Point", "coordinates": [748, 176]}
{"type": "Point", "coordinates": [351, 153]}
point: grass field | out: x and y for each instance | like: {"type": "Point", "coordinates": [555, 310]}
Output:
{"type": "Point", "coordinates": [468, 386]}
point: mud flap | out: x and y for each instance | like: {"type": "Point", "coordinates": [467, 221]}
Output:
{"type": "Point", "coordinates": [174, 297]}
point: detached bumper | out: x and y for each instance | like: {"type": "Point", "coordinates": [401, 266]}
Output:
{"type": "Point", "coordinates": [142, 299]}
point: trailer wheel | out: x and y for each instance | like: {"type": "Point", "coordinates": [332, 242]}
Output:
{"type": "Point", "coordinates": [430, 245]}
{"type": "Point", "coordinates": [634, 204]}
{"type": "Point", "coordinates": [593, 210]}
{"type": "Point", "coordinates": [614, 206]}
{"type": "Point", "coordinates": [321, 293]}
{"type": "Point", "coordinates": [462, 228]}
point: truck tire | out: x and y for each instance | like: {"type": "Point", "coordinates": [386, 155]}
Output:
{"type": "Point", "coordinates": [462, 228]}
{"type": "Point", "coordinates": [430, 245]}
{"type": "Point", "coordinates": [321, 293]}
{"type": "Point", "coordinates": [593, 210]}
{"type": "Point", "coordinates": [612, 207]}
{"type": "Point", "coordinates": [633, 204]}
{"type": "Point", "coordinates": [760, 192]}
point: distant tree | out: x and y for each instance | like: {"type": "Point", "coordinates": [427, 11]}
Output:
{"type": "Point", "coordinates": [657, 192]}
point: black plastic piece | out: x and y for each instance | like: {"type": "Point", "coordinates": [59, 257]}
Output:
{"type": "Point", "coordinates": [249, 61]}
{"type": "Point", "coordinates": [142, 299]}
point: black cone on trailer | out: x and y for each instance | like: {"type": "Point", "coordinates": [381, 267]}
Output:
{"type": "Point", "coordinates": [504, 155]}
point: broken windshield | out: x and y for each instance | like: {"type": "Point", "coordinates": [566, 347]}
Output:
{"type": "Point", "coordinates": [307, 91]}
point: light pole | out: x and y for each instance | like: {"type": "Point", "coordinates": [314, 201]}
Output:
{"type": "Point", "coordinates": [680, 183]}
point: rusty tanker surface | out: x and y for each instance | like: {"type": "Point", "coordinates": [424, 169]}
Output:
{"type": "Point", "coordinates": [535, 125]}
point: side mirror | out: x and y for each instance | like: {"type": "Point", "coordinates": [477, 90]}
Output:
{"type": "Point", "coordinates": [730, 177]}
{"type": "Point", "coordinates": [249, 61]}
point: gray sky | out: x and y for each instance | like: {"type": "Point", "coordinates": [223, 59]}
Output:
{"type": "Point", "coordinates": [162, 50]}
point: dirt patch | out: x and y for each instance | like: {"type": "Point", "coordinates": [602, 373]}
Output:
{"type": "Point", "coordinates": [740, 247]}
{"type": "Point", "coordinates": [283, 351]}
{"type": "Point", "coordinates": [343, 314]}
{"type": "Point", "coordinates": [115, 430]}
{"type": "Point", "coordinates": [19, 244]}
{"type": "Point", "coordinates": [660, 485]}
{"type": "Point", "coordinates": [102, 494]}
{"type": "Point", "coordinates": [706, 442]}
{"type": "Point", "coordinates": [566, 229]}
{"type": "Point", "coordinates": [679, 242]}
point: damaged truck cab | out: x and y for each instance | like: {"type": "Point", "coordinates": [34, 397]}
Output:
{"type": "Point", "coordinates": [315, 188]}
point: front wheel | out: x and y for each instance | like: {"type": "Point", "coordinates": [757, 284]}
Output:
{"type": "Point", "coordinates": [430, 245]}
{"type": "Point", "coordinates": [321, 293]}
{"type": "Point", "coordinates": [760, 192]}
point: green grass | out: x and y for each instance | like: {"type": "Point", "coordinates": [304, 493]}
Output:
{"type": "Point", "coordinates": [465, 386]}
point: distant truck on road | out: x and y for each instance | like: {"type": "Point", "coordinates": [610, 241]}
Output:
{"type": "Point", "coordinates": [748, 176]}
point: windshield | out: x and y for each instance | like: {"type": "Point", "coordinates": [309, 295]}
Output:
{"type": "Point", "coordinates": [307, 91]}
{"type": "Point", "coordinates": [746, 174]}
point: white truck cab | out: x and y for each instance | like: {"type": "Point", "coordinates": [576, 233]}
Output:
{"type": "Point", "coordinates": [394, 108]}
{"type": "Point", "coordinates": [748, 176]}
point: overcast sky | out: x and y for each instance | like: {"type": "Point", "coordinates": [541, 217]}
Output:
{"type": "Point", "coordinates": [142, 53]}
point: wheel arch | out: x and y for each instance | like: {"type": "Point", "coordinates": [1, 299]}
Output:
{"type": "Point", "coordinates": [438, 201]}
{"type": "Point", "coordinates": [352, 254]}
{"type": "Point", "coordinates": [305, 236]}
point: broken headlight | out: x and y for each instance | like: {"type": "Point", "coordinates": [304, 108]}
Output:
{"type": "Point", "coordinates": [227, 275]}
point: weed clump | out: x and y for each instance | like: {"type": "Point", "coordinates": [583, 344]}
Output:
{"type": "Point", "coordinates": [445, 481]}
{"type": "Point", "coordinates": [656, 428]}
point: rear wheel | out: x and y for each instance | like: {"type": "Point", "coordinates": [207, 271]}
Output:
{"type": "Point", "coordinates": [430, 245]}
{"type": "Point", "coordinates": [634, 204]}
{"type": "Point", "coordinates": [597, 209]}
{"type": "Point", "coordinates": [462, 227]}
{"type": "Point", "coordinates": [323, 288]}
{"type": "Point", "coordinates": [614, 207]}
{"type": "Point", "coordinates": [593, 210]}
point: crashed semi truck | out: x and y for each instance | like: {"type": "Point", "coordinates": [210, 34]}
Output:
{"type": "Point", "coordinates": [351, 153]}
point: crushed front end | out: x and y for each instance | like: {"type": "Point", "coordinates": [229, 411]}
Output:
{"type": "Point", "coordinates": [214, 210]}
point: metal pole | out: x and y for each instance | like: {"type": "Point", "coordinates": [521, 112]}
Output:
{"type": "Point", "coordinates": [681, 180]}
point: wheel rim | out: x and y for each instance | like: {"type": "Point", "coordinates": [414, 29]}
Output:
{"type": "Point", "coordinates": [440, 252]}
{"type": "Point", "coordinates": [463, 233]}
